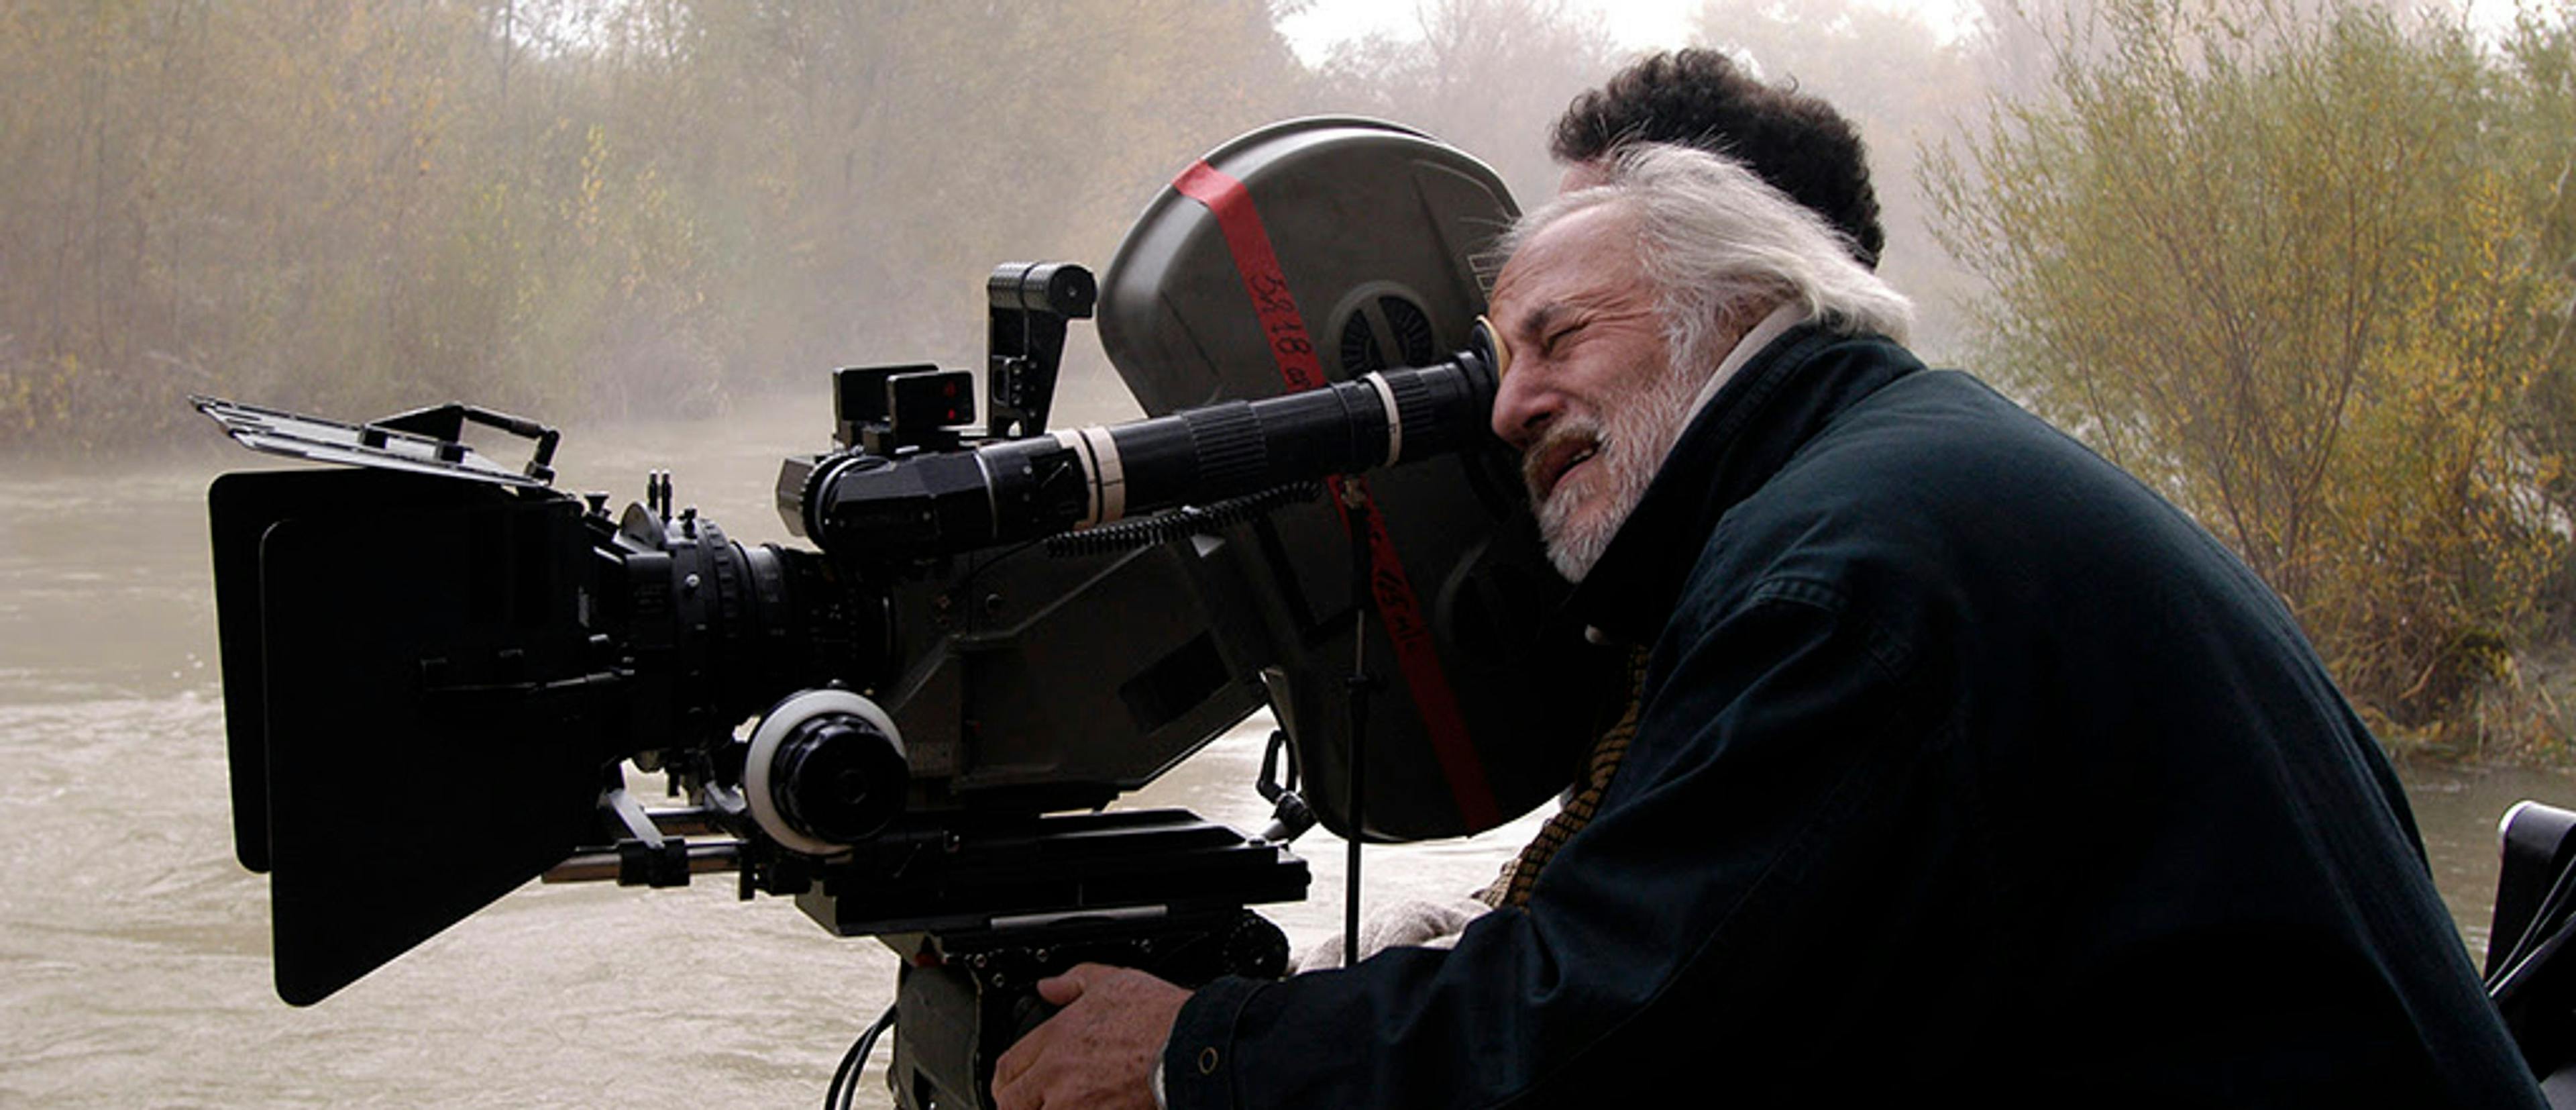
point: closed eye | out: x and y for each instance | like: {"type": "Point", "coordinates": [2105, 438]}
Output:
{"type": "Point", "coordinates": [1547, 344]}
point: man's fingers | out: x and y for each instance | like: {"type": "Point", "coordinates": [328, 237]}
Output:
{"type": "Point", "coordinates": [1013, 1095]}
{"type": "Point", "coordinates": [1016, 1060]}
{"type": "Point", "coordinates": [1098, 1052]}
{"type": "Point", "coordinates": [1024, 1053]}
{"type": "Point", "coordinates": [1061, 990]}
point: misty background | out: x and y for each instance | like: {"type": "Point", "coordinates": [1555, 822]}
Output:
{"type": "Point", "coordinates": [2308, 267]}
{"type": "Point", "coordinates": [611, 208]}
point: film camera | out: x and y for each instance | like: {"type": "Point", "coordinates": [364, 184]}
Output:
{"type": "Point", "coordinates": [436, 665]}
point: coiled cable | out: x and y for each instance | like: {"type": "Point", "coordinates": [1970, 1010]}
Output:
{"type": "Point", "coordinates": [1187, 520]}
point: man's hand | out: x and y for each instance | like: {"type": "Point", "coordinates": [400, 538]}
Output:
{"type": "Point", "coordinates": [1099, 1051]}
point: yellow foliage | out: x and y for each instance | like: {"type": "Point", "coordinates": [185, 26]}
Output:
{"type": "Point", "coordinates": [2282, 261]}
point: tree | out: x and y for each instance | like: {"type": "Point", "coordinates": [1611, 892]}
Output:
{"type": "Point", "coordinates": [2282, 262]}
{"type": "Point", "coordinates": [1486, 76]}
{"type": "Point", "coordinates": [560, 206]}
{"type": "Point", "coordinates": [1903, 84]}
{"type": "Point", "coordinates": [2538, 92]}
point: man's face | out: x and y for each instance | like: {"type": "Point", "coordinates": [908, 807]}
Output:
{"type": "Point", "coordinates": [1590, 398]}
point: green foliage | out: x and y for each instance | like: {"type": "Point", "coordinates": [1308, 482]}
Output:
{"type": "Point", "coordinates": [2296, 267]}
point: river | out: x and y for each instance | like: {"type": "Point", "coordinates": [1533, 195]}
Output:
{"type": "Point", "coordinates": [134, 952]}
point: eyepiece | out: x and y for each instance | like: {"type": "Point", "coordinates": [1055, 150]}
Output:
{"type": "Point", "coordinates": [1062, 288]}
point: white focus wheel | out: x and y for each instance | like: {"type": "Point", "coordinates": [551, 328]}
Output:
{"type": "Point", "coordinates": [781, 722]}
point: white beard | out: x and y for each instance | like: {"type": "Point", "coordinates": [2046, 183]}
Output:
{"type": "Point", "coordinates": [1579, 518]}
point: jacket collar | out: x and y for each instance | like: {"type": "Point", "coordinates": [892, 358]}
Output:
{"type": "Point", "coordinates": [1768, 410]}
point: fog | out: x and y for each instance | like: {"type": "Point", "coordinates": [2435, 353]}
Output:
{"type": "Point", "coordinates": [658, 207]}
{"type": "Point", "coordinates": [659, 223]}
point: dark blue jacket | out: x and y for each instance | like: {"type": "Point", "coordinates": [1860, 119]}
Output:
{"type": "Point", "coordinates": [1967, 766]}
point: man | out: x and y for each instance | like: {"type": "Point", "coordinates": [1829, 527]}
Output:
{"type": "Point", "coordinates": [1700, 98]}
{"type": "Point", "coordinates": [1795, 143]}
{"type": "Point", "coordinates": [1967, 767]}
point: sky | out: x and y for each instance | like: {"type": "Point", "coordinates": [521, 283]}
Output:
{"type": "Point", "coordinates": [1635, 24]}
{"type": "Point", "coordinates": [1647, 24]}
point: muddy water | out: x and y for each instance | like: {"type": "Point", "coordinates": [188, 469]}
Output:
{"type": "Point", "coordinates": [133, 951]}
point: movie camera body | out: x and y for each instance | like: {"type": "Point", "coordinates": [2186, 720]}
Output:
{"type": "Point", "coordinates": [436, 666]}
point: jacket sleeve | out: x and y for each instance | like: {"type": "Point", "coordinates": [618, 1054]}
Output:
{"type": "Point", "coordinates": [1657, 943]}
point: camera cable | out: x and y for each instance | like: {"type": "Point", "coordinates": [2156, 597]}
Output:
{"type": "Point", "coordinates": [845, 1079]}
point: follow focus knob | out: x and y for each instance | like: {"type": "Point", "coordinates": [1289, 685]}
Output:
{"type": "Point", "coordinates": [826, 770]}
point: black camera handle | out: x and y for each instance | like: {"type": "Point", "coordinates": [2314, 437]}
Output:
{"type": "Point", "coordinates": [1031, 302]}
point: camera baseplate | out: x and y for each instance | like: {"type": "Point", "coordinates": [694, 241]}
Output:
{"type": "Point", "coordinates": [1011, 875]}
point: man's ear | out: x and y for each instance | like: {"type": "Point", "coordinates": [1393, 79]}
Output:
{"type": "Point", "coordinates": [1736, 316]}
{"type": "Point", "coordinates": [1741, 315]}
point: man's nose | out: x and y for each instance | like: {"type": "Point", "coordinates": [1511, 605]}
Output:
{"type": "Point", "coordinates": [1523, 406]}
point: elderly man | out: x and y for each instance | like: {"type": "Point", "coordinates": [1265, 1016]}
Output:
{"type": "Point", "coordinates": [1794, 142]}
{"type": "Point", "coordinates": [1967, 768]}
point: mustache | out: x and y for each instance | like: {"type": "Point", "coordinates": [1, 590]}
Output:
{"type": "Point", "coordinates": [1560, 441]}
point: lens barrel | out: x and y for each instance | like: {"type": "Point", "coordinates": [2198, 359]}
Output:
{"type": "Point", "coordinates": [1026, 489]}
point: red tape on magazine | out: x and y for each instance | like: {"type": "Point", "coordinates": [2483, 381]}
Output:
{"type": "Point", "coordinates": [1398, 606]}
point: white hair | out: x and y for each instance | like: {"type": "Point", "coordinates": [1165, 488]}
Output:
{"type": "Point", "coordinates": [1715, 241]}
